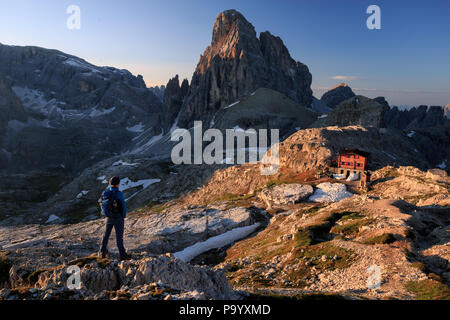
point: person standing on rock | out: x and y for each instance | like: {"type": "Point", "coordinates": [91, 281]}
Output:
{"type": "Point", "coordinates": [114, 208]}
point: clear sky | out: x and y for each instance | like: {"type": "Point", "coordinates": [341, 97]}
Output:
{"type": "Point", "coordinates": [407, 61]}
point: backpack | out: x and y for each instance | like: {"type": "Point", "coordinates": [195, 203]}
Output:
{"type": "Point", "coordinates": [115, 206]}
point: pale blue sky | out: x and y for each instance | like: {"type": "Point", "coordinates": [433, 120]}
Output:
{"type": "Point", "coordinates": [407, 61]}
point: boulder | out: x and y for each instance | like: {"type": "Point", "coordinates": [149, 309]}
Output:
{"type": "Point", "coordinates": [330, 192]}
{"type": "Point", "coordinates": [183, 276]}
{"type": "Point", "coordinates": [286, 194]}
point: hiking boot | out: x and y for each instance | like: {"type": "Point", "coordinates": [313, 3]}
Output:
{"type": "Point", "coordinates": [125, 257]}
{"type": "Point", "coordinates": [103, 254]}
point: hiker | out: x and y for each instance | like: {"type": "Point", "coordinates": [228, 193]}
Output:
{"type": "Point", "coordinates": [114, 208]}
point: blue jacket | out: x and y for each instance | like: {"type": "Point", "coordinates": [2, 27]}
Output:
{"type": "Point", "coordinates": [105, 197]}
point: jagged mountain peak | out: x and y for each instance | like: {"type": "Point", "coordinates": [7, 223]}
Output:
{"type": "Point", "coordinates": [236, 64]}
{"type": "Point", "coordinates": [337, 94]}
{"type": "Point", "coordinates": [342, 84]}
{"type": "Point", "coordinates": [231, 23]}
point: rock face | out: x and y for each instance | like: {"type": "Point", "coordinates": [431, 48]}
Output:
{"type": "Point", "coordinates": [358, 110]}
{"type": "Point", "coordinates": [61, 114]}
{"type": "Point", "coordinates": [158, 91]}
{"type": "Point", "coordinates": [174, 95]}
{"type": "Point", "coordinates": [11, 109]}
{"type": "Point", "coordinates": [420, 117]}
{"type": "Point", "coordinates": [264, 109]}
{"type": "Point", "coordinates": [236, 64]}
{"type": "Point", "coordinates": [285, 194]}
{"type": "Point", "coordinates": [447, 111]}
{"type": "Point", "coordinates": [71, 105]}
{"type": "Point", "coordinates": [337, 94]}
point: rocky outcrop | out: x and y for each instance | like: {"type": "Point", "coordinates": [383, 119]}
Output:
{"type": "Point", "coordinates": [285, 194]}
{"type": "Point", "coordinates": [236, 64]}
{"type": "Point", "coordinates": [337, 94]}
{"type": "Point", "coordinates": [155, 278]}
{"type": "Point", "coordinates": [447, 111]}
{"type": "Point", "coordinates": [184, 277]}
{"type": "Point", "coordinates": [382, 101]}
{"type": "Point", "coordinates": [174, 95]}
{"type": "Point", "coordinates": [358, 110]}
{"type": "Point", "coordinates": [308, 151]}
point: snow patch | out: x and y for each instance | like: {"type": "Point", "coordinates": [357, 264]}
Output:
{"type": "Point", "coordinates": [52, 218]}
{"type": "Point", "coordinates": [98, 113]}
{"type": "Point", "coordinates": [80, 64]}
{"type": "Point", "coordinates": [339, 176]}
{"type": "Point", "coordinates": [126, 183]}
{"type": "Point", "coordinates": [124, 163]}
{"type": "Point", "coordinates": [137, 128]}
{"type": "Point", "coordinates": [330, 192]}
{"type": "Point", "coordinates": [411, 134]}
{"type": "Point", "coordinates": [353, 177]}
{"type": "Point", "coordinates": [215, 242]}
{"type": "Point", "coordinates": [231, 105]}
{"type": "Point", "coordinates": [443, 165]}
{"type": "Point", "coordinates": [82, 194]}
{"type": "Point", "coordinates": [322, 116]}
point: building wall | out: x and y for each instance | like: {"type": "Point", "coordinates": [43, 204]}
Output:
{"type": "Point", "coordinates": [352, 161]}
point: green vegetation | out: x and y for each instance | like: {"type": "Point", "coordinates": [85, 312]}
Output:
{"type": "Point", "coordinates": [429, 290]}
{"type": "Point", "coordinates": [326, 225]}
{"type": "Point", "coordinates": [102, 262]}
{"type": "Point", "coordinates": [313, 209]}
{"type": "Point", "coordinates": [381, 239]}
{"type": "Point", "coordinates": [322, 256]}
{"type": "Point", "coordinates": [302, 238]}
{"type": "Point", "coordinates": [420, 266]}
{"type": "Point", "coordinates": [232, 197]}
{"type": "Point", "coordinates": [273, 183]}
{"type": "Point", "coordinates": [350, 215]}
{"type": "Point", "coordinates": [160, 208]}
{"type": "Point", "coordinates": [350, 229]}
{"type": "Point", "coordinates": [316, 252]}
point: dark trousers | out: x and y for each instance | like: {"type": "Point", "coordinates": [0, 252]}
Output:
{"type": "Point", "coordinates": [118, 224]}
